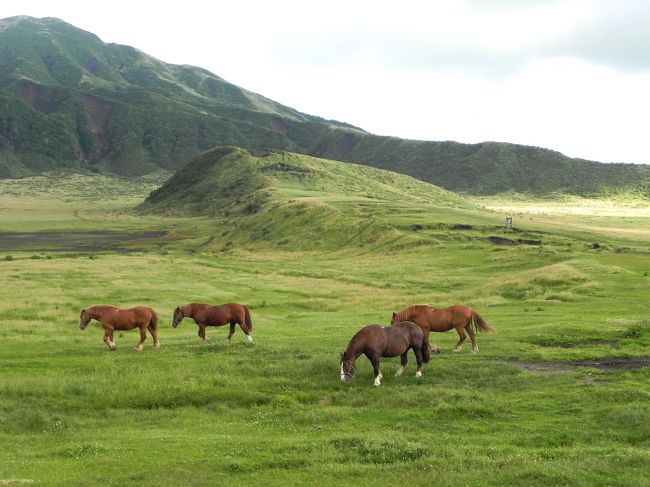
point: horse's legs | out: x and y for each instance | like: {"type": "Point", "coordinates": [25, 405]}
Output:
{"type": "Point", "coordinates": [462, 336]}
{"type": "Point", "coordinates": [232, 330]}
{"type": "Point", "coordinates": [472, 336]}
{"type": "Point", "coordinates": [403, 360]}
{"type": "Point", "coordinates": [246, 331]}
{"type": "Point", "coordinates": [432, 346]}
{"type": "Point", "coordinates": [375, 365]}
{"type": "Point", "coordinates": [418, 358]}
{"type": "Point", "coordinates": [108, 339]}
{"type": "Point", "coordinates": [202, 331]}
{"type": "Point", "coordinates": [143, 337]}
{"type": "Point", "coordinates": [154, 335]}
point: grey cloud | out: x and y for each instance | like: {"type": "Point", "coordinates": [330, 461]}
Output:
{"type": "Point", "coordinates": [614, 33]}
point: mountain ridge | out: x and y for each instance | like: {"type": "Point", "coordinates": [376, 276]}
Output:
{"type": "Point", "coordinates": [70, 101]}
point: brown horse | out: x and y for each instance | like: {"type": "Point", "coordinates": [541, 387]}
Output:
{"type": "Point", "coordinates": [112, 319]}
{"type": "Point", "coordinates": [376, 341]}
{"type": "Point", "coordinates": [430, 319]}
{"type": "Point", "coordinates": [205, 315]}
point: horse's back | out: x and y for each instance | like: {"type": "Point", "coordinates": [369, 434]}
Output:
{"type": "Point", "coordinates": [401, 337]}
{"type": "Point", "coordinates": [410, 330]}
{"type": "Point", "coordinates": [226, 313]}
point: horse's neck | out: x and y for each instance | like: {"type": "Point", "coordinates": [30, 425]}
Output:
{"type": "Point", "coordinates": [96, 312]}
{"type": "Point", "coordinates": [187, 310]}
{"type": "Point", "coordinates": [353, 351]}
{"type": "Point", "coordinates": [406, 314]}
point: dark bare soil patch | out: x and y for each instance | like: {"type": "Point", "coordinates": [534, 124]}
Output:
{"type": "Point", "coordinates": [508, 241]}
{"type": "Point", "coordinates": [616, 363]}
{"type": "Point", "coordinates": [611, 363]}
{"type": "Point", "coordinates": [72, 241]}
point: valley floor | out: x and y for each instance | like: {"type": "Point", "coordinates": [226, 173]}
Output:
{"type": "Point", "coordinates": [558, 395]}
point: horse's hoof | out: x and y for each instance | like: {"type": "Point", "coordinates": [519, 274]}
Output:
{"type": "Point", "coordinates": [455, 351]}
{"type": "Point", "coordinates": [474, 351]}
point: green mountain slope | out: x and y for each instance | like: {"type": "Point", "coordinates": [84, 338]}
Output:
{"type": "Point", "coordinates": [485, 168]}
{"type": "Point", "coordinates": [70, 101]}
{"type": "Point", "coordinates": [297, 201]}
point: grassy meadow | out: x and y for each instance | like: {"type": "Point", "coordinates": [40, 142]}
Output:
{"type": "Point", "coordinates": [559, 395]}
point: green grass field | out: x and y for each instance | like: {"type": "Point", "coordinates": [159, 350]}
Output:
{"type": "Point", "coordinates": [559, 395]}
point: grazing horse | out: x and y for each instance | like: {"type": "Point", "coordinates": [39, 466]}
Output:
{"type": "Point", "coordinates": [205, 315]}
{"type": "Point", "coordinates": [112, 319]}
{"type": "Point", "coordinates": [430, 319]}
{"type": "Point", "coordinates": [376, 341]}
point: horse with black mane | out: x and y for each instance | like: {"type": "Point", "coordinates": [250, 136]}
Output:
{"type": "Point", "coordinates": [206, 315]}
{"type": "Point", "coordinates": [375, 341]}
{"type": "Point", "coordinates": [112, 318]}
{"type": "Point", "coordinates": [460, 317]}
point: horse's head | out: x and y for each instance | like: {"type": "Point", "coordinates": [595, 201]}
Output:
{"type": "Point", "coordinates": [348, 369]}
{"type": "Point", "coordinates": [178, 317]}
{"type": "Point", "coordinates": [84, 319]}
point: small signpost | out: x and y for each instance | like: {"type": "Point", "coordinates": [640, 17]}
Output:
{"type": "Point", "coordinates": [508, 222]}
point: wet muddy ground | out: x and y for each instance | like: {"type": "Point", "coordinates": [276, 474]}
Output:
{"type": "Point", "coordinates": [607, 364]}
{"type": "Point", "coordinates": [72, 241]}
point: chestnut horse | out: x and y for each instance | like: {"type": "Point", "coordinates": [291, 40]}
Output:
{"type": "Point", "coordinates": [205, 315]}
{"type": "Point", "coordinates": [376, 341]}
{"type": "Point", "coordinates": [430, 319]}
{"type": "Point", "coordinates": [112, 319]}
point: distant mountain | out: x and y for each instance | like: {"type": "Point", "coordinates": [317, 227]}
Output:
{"type": "Point", "coordinates": [277, 198]}
{"type": "Point", "coordinates": [70, 101]}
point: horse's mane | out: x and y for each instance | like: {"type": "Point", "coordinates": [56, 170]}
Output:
{"type": "Point", "coordinates": [99, 308]}
{"type": "Point", "coordinates": [405, 314]}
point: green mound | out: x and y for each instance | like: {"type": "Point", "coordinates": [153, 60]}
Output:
{"type": "Point", "coordinates": [295, 201]}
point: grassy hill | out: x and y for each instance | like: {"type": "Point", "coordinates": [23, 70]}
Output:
{"type": "Point", "coordinates": [70, 101]}
{"type": "Point", "coordinates": [277, 198]}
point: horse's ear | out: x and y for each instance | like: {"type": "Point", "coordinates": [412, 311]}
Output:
{"type": "Point", "coordinates": [394, 315]}
{"type": "Point", "coordinates": [83, 311]}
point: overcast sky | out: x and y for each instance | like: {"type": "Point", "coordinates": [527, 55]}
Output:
{"type": "Point", "coordinates": [569, 75]}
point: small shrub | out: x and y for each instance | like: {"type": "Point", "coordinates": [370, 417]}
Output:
{"type": "Point", "coordinates": [9, 258]}
{"type": "Point", "coordinates": [636, 330]}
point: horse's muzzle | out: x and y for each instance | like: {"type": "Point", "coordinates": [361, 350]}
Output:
{"type": "Point", "coordinates": [82, 326]}
{"type": "Point", "coordinates": [174, 324]}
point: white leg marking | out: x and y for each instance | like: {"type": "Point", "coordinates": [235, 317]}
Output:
{"type": "Point", "coordinates": [342, 374]}
{"type": "Point", "coordinates": [400, 371]}
{"type": "Point", "coordinates": [378, 380]}
{"type": "Point", "coordinates": [418, 374]}
{"type": "Point", "coordinates": [249, 338]}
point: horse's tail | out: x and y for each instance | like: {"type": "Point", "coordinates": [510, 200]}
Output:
{"type": "Point", "coordinates": [154, 319]}
{"type": "Point", "coordinates": [426, 352]}
{"type": "Point", "coordinates": [247, 319]}
{"type": "Point", "coordinates": [479, 323]}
